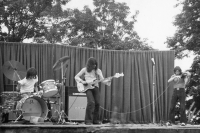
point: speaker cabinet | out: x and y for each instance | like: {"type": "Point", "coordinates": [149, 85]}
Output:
{"type": "Point", "coordinates": [76, 104]}
{"type": "Point", "coordinates": [77, 108]}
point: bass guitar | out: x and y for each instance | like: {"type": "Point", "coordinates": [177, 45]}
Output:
{"type": "Point", "coordinates": [90, 84]}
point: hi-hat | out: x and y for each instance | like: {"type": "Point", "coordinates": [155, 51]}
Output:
{"type": "Point", "coordinates": [61, 63]}
{"type": "Point", "coordinates": [14, 70]}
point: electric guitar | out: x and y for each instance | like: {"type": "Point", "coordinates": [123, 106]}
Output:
{"type": "Point", "coordinates": [90, 84]}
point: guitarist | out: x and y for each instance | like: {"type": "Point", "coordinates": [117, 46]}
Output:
{"type": "Point", "coordinates": [92, 72]}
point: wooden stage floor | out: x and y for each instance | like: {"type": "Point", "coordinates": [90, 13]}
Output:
{"type": "Point", "coordinates": [103, 128]}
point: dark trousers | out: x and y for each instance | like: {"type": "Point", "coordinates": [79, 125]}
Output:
{"type": "Point", "coordinates": [178, 94]}
{"type": "Point", "coordinates": [92, 109]}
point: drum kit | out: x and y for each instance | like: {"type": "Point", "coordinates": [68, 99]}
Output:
{"type": "Point", "coordinates": [35, 105]}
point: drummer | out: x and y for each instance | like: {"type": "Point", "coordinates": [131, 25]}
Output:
{"type": "Point", "coordinates": [27, 86]}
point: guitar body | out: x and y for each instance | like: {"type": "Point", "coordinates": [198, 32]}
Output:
{"type": "Point", "coordinates": [83, 88]}
{"type": "Point", "coordinates": [90, 84]}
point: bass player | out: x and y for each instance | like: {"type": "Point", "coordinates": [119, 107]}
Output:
{"type": "Point", "coordinates": [91, 72]}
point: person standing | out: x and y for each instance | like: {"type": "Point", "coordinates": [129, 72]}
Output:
{"type": "Point", "coordinates": [179, 81]}
{"type": "Point", "coordinates": [91, 73]}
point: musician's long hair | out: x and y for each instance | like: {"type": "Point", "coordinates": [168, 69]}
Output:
{"type": "Point", "coordinates": [177, 68]}
{"type": "Point", "coordinates": [91, 64]}
{"type": "Point", "coordinates": [31, 73]}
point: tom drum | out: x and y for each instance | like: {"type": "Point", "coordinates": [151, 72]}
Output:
{"type": "Point", "coordinates": [49, 88]}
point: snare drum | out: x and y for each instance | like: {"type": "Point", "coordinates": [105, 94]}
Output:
{"type": "Point", "coordinates": [49, 88]}
{"type": "Point", "coordinates": [34, 106]}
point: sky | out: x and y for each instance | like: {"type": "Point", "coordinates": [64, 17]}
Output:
{"type": "Point", "coordinates": [154, 22]}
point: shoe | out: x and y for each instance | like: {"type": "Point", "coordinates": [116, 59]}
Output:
{"type": "Point", "coordinates": [168, 124]}
{"type": "Point", "coordinates": [182, 124]}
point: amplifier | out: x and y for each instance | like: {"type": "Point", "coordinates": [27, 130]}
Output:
{"type": "Point", "coordinates": [76, 104]}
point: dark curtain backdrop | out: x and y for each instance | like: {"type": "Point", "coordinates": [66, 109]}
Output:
{"type": "Point", "coordinates": [130, 96]}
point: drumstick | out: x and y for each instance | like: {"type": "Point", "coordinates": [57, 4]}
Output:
{"type": "Point", "coordinates": [15, 70]}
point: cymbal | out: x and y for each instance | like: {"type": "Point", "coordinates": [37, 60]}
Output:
{"type": "Point", "coordinates": [14, 70]}
{"type": "Point", "coordinates": [61, 63]}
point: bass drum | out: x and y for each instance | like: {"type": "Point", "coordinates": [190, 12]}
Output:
{"type": "Point", "coordinates": [34, 107]}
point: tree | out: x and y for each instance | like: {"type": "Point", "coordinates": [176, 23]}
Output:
{"type": "Point", "coordinates": [133, 45]}
{"type": "Point", "coordinates": [118, 30]}
{"type": "Point", "coordinates": [106, 27]}
{"type": "Point", "coordinates": [45, 21]}
{"type": "Point", "coordinates": [83, 28]}
{"type": "Point", "coordinates": [55, 21]}
{"type": "Point", "coordinates": [187, 36]}
{"type": "Point", "coordinates": [21, 19]}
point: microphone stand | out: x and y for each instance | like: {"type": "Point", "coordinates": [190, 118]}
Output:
{"type": "Point", "coordinates": [154, 117]}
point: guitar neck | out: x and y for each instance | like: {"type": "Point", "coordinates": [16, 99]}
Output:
{"type": "Point", "coordinates": [104, 79]}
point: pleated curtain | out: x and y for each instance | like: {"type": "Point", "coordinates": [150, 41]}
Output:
{"type": "Point", "coordinates": [129, 98]}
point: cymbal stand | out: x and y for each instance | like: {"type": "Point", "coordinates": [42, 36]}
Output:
{"type": "Point", "coordinates": [62, 82]}
{"type": "Point", "coordinates": [62, 115]}
{"type": "Point", "coordinates": [13, 95]}
{"type": "Point", "coordinates": [48, 119]}
{"type": "Point", "coordinates": [19, 116]}
{"type": "Point", "coordinates": [62, 112]}
{"type": "Point", "coordinates": [15, 72]}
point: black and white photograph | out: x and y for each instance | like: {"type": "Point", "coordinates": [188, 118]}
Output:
{"type": "Point", "coordinates": [99, 66]}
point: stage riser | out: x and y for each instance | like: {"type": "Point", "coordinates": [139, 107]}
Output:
{"type": "Point", "coordinates": [41, 130]}
{"type": "Point", "coordinates": [93, 130]}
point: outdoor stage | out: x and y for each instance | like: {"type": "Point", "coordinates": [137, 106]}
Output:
{"type": "Point", "coordinates": [103, 128]}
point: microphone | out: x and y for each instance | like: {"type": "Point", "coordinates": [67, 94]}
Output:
{"type": "Point", "coordinates": [152, 59]}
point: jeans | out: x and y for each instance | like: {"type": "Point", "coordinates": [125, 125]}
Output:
{"type": "Point", "coordinates": [20, 102]}
{"type": "Point", "coordinates": [179, 93]}
{"type": "Point", "coordinates": [92, 109]}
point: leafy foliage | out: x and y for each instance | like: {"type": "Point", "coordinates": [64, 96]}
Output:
{"type": "Point", "coordinates": [20, 17]}
{"type": "Point", "coordinates": [188, 32]}
{"type": "Point", "coordinates": [193, 92]}
{"type": "Point", "coordinates": [83, 30]}
{"type": "Point", "coordinates": [105, 27]}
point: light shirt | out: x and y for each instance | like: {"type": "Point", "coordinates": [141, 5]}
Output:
{"type": "Point", "coordinates": [89, 76]}
{"type": "Point", "coordinates": [179, 83]}
{"type": "Point", "coordinates": [27, 85]}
